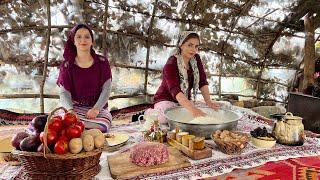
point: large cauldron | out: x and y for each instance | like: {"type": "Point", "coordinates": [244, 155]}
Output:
{"type": "Point", "coordinates": [182, 118]}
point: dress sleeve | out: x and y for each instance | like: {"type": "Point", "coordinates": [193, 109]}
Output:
{"type": "Point", "coordinates": [65, 98]}
{"type": "Point", "coordinates": [171, 76]}
{"type": "Point", "coordinates": [104, 96]}
{"type": "Point", "coordinates": [203, 78]}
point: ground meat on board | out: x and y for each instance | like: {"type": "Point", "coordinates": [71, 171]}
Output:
{"type": "Point", "coordinates": [149, 153]}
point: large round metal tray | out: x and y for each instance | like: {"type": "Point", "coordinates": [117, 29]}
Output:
{"type": "Point", "coordinates": [182, 118]}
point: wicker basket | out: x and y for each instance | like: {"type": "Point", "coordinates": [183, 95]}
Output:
{"type": "Point", "coordinates": [231, 147]}
{"type": "Point", "coordinates": [38, 165]}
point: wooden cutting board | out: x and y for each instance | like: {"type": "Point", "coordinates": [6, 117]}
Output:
{"type": "Point", "coordinates": [121, 167]}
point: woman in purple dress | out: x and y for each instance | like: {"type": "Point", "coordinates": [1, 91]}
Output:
{"type": "Point", "coordinates": [182, 73]}
{"type": "Point", "coordinates": [85, 80]}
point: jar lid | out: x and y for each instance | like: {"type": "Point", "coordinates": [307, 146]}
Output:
{"type": "Point", "coordinates": [290, 116]}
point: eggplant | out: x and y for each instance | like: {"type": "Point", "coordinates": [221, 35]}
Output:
{"type": "Point", "coordinates": [16, 139]}
{"type": "Point", "coordinates": [39, 122]}
{"type": "Point", "coordinates": [40, 148]}
{"type": "Point", "coordinates": [30, 144]}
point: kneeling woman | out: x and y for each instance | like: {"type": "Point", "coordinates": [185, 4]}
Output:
{"type": "Point", "coordinates": [85, 80]}
{"type": "Point", "coordinates": [182, 72]}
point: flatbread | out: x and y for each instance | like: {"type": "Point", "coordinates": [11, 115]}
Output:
{"type": "Point", "coordinates": [118, 138]}
{"type": "Point", "coordinates": [5, 144]}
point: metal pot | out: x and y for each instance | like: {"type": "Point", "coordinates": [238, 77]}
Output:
{"type": "Point", "coordinates": [289, 130]}
{"type": "Point", "coordinates": [182, 118]}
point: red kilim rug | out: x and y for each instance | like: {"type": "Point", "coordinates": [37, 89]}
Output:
{"type": "Point", "coordinates": [297, 168]}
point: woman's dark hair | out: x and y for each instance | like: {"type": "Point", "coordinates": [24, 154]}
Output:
{"type": "Point", "coordinates": [86, 27]}
{"type": "Point", "coordinates": [190, 36]}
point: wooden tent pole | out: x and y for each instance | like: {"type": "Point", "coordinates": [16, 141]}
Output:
{"type": "Point", "coordinates": [309, 50]}
{"type": "Point", "coordinates": [105, 21]}
{"type": "Point", "coordinates": [259, 83]}
{"type": "Point", "coordinates": [148, 47]}
{"type": "Point", "coordinates": [220, 75]}
{"type": "Point", "coordinates": [45, 65]}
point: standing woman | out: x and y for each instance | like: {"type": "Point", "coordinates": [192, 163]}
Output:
{"type": "Point", "coordinates": [182, 73]}
{"type": "Point", "coordinates": [85, 80]}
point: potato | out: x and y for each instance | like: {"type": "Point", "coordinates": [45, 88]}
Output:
{"type": "Point", "coordinates": [92, 132]}
{"type": "Point", "coordinates": [99, 141]}
{"type": "Point", "coordinates": [88, 142]}
{"type": "Point", "coordinates": [85, 132]}
{"type": "Point", "coordinates": [75, 145]}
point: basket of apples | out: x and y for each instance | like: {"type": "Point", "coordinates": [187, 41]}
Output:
{"type": "Point", "coordinates": [59, 147]}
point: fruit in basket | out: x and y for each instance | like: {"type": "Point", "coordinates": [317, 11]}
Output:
{"type": "Point", "coordinates": [79, 125]}
{"type": "Point", "coordinates": [30, 144]}
{"type": "Point", "coordinates": [39, 122]}
{"type": "Point", "coordinates": [73, 132]}
{"type": "Point", "coordinates": [52, 137]}
{"type": "Point", "coordinates": [75, 145]}
{"type": "Point", "coordinates": [69, 119]}
{"type": "Point", "coordinates": [61, 147]}
{"type": "Point", "coordinates": [16, 139]}
{"type": "Point", "coordinates": [64, 138]}
{"type": "Point", "coordinates": [63, 132]}
{"type": "Point", "coordinates": [56, 124]}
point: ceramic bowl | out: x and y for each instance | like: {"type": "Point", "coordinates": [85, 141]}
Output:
{"type": "Point", "coordinates": [263, 143]}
